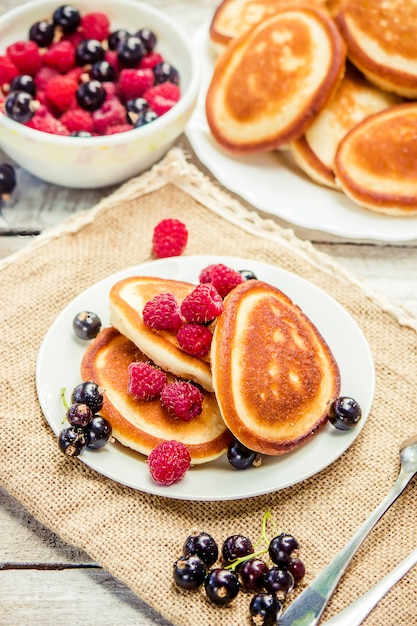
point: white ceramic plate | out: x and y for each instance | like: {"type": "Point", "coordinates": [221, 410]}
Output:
{"type": "Point", "coordinates": [60, 355]}
{"type": "Point", "coordinates": [272, 183]}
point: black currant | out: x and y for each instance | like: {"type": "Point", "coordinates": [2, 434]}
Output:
{"type": "Point", "coordinates": [88, 393]}
{"type": "Point", "coordinates": [20, 106]}
{"type": "Point", "coordinates": [89, 51]}
{"type": "Point", "coordinates": [130, 51]}
{"type": "Point", "coordinates": [72, 441]}
{"type": "Point", "coordinates": [67, 17]}
{"type": "Point", "coordinates": [79, 414]}
{"type": "Point", "coordinates": [248, 275]}
{"type": "Point", "coordinates": [98, 432]}
{"type": "Point", "coordinates": [221, 585]}
{"type": "Point", "coordinates": [145, 118]}
{"type": "Point", "coordinates": [90, 95]}
{"type": "Point", "coordinates": [116, 37]}
{"type": "Point", "coordinates": [279, 581]}
{"type": "Point", "coordinates": [137, 105]}
{"type": "Point", "coordinates": [148, 38]}
{"type": "Point", "coordinates": [297, 568]}
{"type": "Point", "coordinates": [203, 545]}
{"type": "Point", "coordinates": [264, 609]}
{"type": "Point", "coordinates": [239, 456]}
{"type": "Point", "coordinates": [103, 71]}
{"type": "Point", "coordinates": [86, 325]}
{"type": "Point", "coordinates": [344, 413]}
{"type": "Point", "coordinates": [165, 72]}
{"type": "Point", "coordinates": [252, 574]}
{"type": "Point", "coordinates": [23, 82]}
{"type": "Point", "coordinates": [235, 547]}
{"type": "Point", "coordinates": [189, 572]}
{"type": "Point", "coordinates": [7, 178]}
{"type": "Point", "coordinates": [42, 33]}
{"type": "Point", "coordinates": [282, 548]}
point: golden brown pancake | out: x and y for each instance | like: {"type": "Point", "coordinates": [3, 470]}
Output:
{"type": "Point", "coordinates": [271, 82]}
{"type": "Point", "coordinates": [140, 424]}
{"type": "Point", "coordinates": [233, 18]}
{"type": "Point", "coordinates": [381, 42]}
{"type": "Point", "coordinates": [127, 299]}
{"type": "Point", "coordinates": [273, 372]}
{"type": "Point", "coordinates": [355, 99]}
{"type": "Point", "coordinates": [376, 163]}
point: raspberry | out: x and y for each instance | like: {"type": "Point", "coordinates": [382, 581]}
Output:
{"type": "Point", "coordinates": [163, 313]}
{"type": "Point", "coordinates": [223, 278]}
{"type": "Point", "coordinates": [60, 92]}
{"type": "Point", "coordinates": [202, 305]}
{"type": "Point", "coordinates": [110, 113]}
{"type": "Point", "coordinates": [195, 339]}
{"type": "Point", "coordinates": [95, 26]}
{"type": "Point", "coordinates": [150, 60]}
{"type": "Point", "coordinates": [182, 400]}
{"type": "Point", "coordinates": [145, 381]}
{"type": "Point", "coordinates": [134, 82]}
{"type": "Point", "coordinates": [168, 462]}
{"type": "Point", "coordinates": [60, 56]}
{"type": "Point", "coordinates": [162, 97]}
{"type": "Point", "coordinates": [169, 238]}
{"type": "Point", "coordinates": [44, 120]}
{"type": "Point", "coordinates": [43, 77]}
{"type": "Point", "coordinates": [118, 128]}
{"type": "Point", "coordinates": [77, 119]}
{"type": "Point", "coordinates": [8, 70]}
{"type": "Point", "coordinates": [25, 55]}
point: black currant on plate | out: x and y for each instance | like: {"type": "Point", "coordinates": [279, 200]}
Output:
{"type": "Point", "coordinates": [130, 51]}
{"type": "Point", "coordinates": [103, 71]}
{"type": "Point", "coordinates": [23, 82]}
{"type": "Point", "coordinates": [148, 38]}
{"type": "Point", "coordinates": [165, 72]}
{"type": "Point", "coordinates": [89, 393]}
{"type": "Point", "coordinates": [248, 275]}
{"type": "Point", "coordinates": [235, 547]}
{"type": "Point", "coordinates": [89, 51]}
{"type": "Point", "coordinates": [42, 33]}
{"type": "Point", "coordinates": [72, 441]}
{"type": "Point", "coordinates": [239, 456]}
{"type": "Point", "coordinates": [67, 17]}
{"type": "Point", "coordinates": [221, 585]}
{"type": "Point", "coordinates": [116, 37]}
{"type": "Point", "coordinates": [203, 545]}
{"type": "Point", "coordinates": [98, 432]}
{"type": "Point", "coordinates": [86, 325]}
{"type": "Point", "coordinates": [20, 106]}
{"type": "Point", "coordinates": [90, 95]}
{"type": "Point", "coordinates": [145, 117]}
{"type": "Point", "coordinates": [344, 413]}
{"type": "Point", "coordinates": [189, 572]}
{"type": "Point", "coordinates": [79, 414]}
{"type": "Point", "coordinates": [264, 609]}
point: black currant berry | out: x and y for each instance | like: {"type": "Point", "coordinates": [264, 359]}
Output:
{"type": "Point", "coordinates": [89, 51]}
{"type": "Point", "coordinates": [203, 545]}
{"type": "Point", "coordinates": [116, 37]}
{"type": "Point", "coordinates": [297, 568]}
{"type": "Point", "coordinates": [90, 95]}
{"type": "Point", "coordinates": [137, 105]}
{"type": "Point", "coordinates": [23, 82]}
{"type": "Point", "coordinates": [264, 609]}
{"type": "Point", "coordinates": [145, 118]}
{"type": "Point", "coordinates": [72, 441]}
{"type": "Point", "coordinates": [344, 413]}
{"type": "Point", "coordinates": [67, 17]}
{"type": "Point", "coordinates": [282, 548]}
{"type": "Point", "coordinates": [279, 582]}
{"type": "Point", "coordinates": [248, 275]}
{"type": "Point", "coordinates": [7, 178]}
{"type": "Point", "coordinates": [88, 393]}
{"type": "Point", "coordinates": [235, 547]}
{"type": "Point", "coordinates": [20, 106]}
{"type": "Point", "coordinates": [42, 33]}
{"type": "Point", "coordinates": [252, 574]}
{"type": "Point", "coordinates": [86, 325]}
{"type": "Point", "coordinates": [98, 432]}
{"type": "Point", "coordinates": [189, 572]}
{"type": "Point", "coordinates": [148, 38]}
{"type": "Point", "coordinates": [221, 585]}
{"type": "Point", "coordinates": [130, 51]}
{"type": "Point", "coordinates": [79, 414]}
{"type": "Point", "coordinates": [239, 456]}
{"type": "Point", "coordinates": [103, 71]}
{"type": "Point", "coordinates": [165, 72]}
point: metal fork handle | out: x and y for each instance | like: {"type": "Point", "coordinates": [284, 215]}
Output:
{"type": "Point", "coordinates": [307, 609]}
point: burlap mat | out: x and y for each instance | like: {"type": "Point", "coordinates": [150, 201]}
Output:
{"type": "Point", "coordinates": [136, 536]}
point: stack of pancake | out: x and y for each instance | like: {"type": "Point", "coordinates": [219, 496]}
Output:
{"type": "Point", "coordinates": [268, 380]}
{"type": "Point", "coordinates": [333, 83]}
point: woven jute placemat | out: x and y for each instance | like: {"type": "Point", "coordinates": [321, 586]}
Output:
{"type": "Point", "coordinates": [137, 536]}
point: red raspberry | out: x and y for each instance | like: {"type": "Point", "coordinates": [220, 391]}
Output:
{"type": "Point", "coordinates": [195, 339]}
{"type": "Point", "coordinates": [8, 70]}
{"type": "Point", "coordinates": [223, 278]}
{"type": "Point", "coordinates": [112, 112]}
{"type": "Point", "coordinates": [150, 60]}
{"type": "Point", "coordinates": [118, 128]}
{"type": "Point", "coordinates": [163, 313]}
{"type": "Point", "coordinates": [26, 56]}
{"type": "Point", "coordinates": [61, 56]}
{"type": "Point", "coordinates": [162, 98]}
{"type": "Point", "coordinates": [74, 38]}
{"type": "Point", "coordinates": [134, 82]}
{"type": "Point", "coordinates": [145, 381]}
{"type": "Point", "coordinates": [168, 462]}
{"type": "Point", "coordinates": [43, 77]}
{"type": "Point", "coordinates": [111, 57]}
{"type": "Point", "coordinates": [60, 92]}
{"type": "Point", "coordinates": [43, 120]}
{"type": "Point", "coordinates": [202, 305]}
{"type": "Point", "coordinates": [95, 26]}
{"type": "Point", "coordinates": [169, 238]}
{"type": "Point", "coordinates": [182, 400]}
{"type": "Point", "coordinates": [75, 73]}
{"type": "Point", "coordinates": [77, 119]}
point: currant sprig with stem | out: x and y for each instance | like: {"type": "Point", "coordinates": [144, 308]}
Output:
{"type": "Point", "coordinates": [263, 540]}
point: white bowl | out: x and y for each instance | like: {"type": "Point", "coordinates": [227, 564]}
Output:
{"type": "Point", "coordinates": [101, 161]}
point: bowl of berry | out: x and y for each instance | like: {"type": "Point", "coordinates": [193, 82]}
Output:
{"type": "Point", "coordinates": [92, 92]}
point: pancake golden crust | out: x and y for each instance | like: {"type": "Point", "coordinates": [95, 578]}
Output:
{"type": "Point", "coordinates": [273, 373]}
{"type": "Point", "coordinates": [140, 424]}
{"type": "Point", "coordinates": [381, 42]}
{"type": "Point", "coordinates": [355, 99]}
{"type": "Point", "coordinates": [376, 163]}
{"type": "Point", "coordinates": [271, 82]}
{"type": "Point", "coordinates": [127, 299]}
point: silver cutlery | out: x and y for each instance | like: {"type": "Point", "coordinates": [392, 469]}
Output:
{"type": "Point", "coordinates": [308, 607]}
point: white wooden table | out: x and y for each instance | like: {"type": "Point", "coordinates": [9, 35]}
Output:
{"type": "Point", "coordinates": [43, 581]}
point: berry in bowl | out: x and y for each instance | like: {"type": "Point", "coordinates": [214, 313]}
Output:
{"type": "Point", "coordinates": [94, 92]}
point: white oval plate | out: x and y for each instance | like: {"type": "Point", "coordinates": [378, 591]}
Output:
{"type": "Point", "coordinates": [58, 366]}
{"type": "Point", "coordinates": [272, 183]}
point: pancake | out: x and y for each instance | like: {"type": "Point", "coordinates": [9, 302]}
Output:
{"type": "Point", "coordinates": [381, 42]}
{"type": "Point", "coordinates": [233, 18]}
{"type": "Point", "coordinates": [140, 424]}
{"type": "Point", "coordinates": [273, 373]}
{"type": "Point", "coordinates": [376, 163]}
{"type": "Point", "coordinates": [127, 299]}
{"type": "Point", "coordinates": [355, 99]}
{"type": "Point", "coordinates": [271, 82]}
